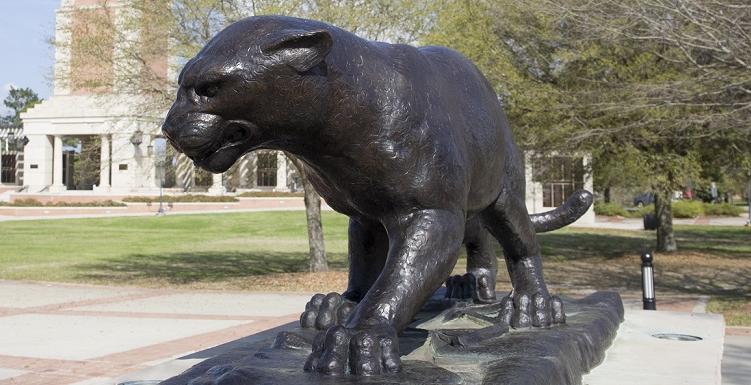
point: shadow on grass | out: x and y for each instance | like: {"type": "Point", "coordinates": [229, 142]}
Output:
{"type": "Point", "coordinates": [729, 242]}
{"type": "Point", "coordinates": [577, 244]}
{"type": "Point", "coordinates": [622, 276]}
{"type": "Point", "coordinates": [710, 261]}
{"type": "Point", "coordinates": [575, 258]}
{"type": "Point", "coordinates": [573, 246]}
{"type": "Point", "coordinates": [197, 267]}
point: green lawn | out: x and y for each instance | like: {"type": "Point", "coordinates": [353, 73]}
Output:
{"type": "Point", "coordinates": [179, 249]}
{"type": "Point", "coordinates": [268, 251]}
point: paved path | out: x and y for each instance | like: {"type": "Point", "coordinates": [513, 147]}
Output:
{"type": "Point", "coordinates": [245, 205]}
{"type": "Point", "coordinates": [736, 360]}
{"type": "Point", "coordinates": [10, 213]}
{"type": "Point", "coordinates": [59, 334]}
{"type": "Point", "coordinates": [638, 224]}
{"type": "Point", "coordinates": [86, 335]}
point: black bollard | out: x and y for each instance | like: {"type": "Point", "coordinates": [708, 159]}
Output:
{"type": "Point", "coordinates": [647, 281]}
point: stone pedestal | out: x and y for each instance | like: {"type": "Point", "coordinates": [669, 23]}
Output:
{"type": "Point", "coordinates": [449, 343]}
{"type": "Point", "coordinates": [635, 357]}
{"type": "Point", "coordinates": [659, 348]}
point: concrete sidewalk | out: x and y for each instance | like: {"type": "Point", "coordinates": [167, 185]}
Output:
{"type": "Point", "coordinates": [73, 334]}
{"type": "Point", "coordinates": [617, 223]}
{"type": "Point", "coordinates": [12, 213]}
{"type": "Point", "coordinates": [59, 334]}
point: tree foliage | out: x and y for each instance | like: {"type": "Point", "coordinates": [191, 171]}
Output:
{"type": "Point", "coordinates": [656, 90]}
{"type": "Point", "coordinates": [19, 100]}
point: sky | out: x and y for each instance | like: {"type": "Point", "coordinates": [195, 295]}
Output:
{"type": "Point", "coordinates": [26, 58]}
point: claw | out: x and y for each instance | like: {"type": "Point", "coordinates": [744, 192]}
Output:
{"type": "Point", "coordinates": [473, 285]}
{"type": "Point", "coordinates": [364, 351]}
{"type": "Point", "coordinates": [521, 319]}
{"type": "Point", "coordinates": [390, 356]}
{"type": "Point", "coordinates": [556, 304]}
{"type": "Point", "coordinates": [542, 310]}
{"type": "Point", "coordinates": [325, 311]}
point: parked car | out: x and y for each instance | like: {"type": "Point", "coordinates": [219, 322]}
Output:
{"type": "Point", "coordinates": [644, 199]}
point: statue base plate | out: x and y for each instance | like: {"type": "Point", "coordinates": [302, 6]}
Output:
{"type": "Point", "coordinates": [449, 343]}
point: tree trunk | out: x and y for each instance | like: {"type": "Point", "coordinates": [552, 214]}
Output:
{"type": "Point", "coordinates": [606, 194]}
{"type": "Point", "coordinates": [664, 214]}
{"type": "Point", "coordinates": [318, 260]}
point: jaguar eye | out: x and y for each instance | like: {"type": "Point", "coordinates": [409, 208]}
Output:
{"type": "Point", "coordinates": [208, 90]}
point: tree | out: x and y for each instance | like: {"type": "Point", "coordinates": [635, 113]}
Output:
{"type": "Point", "coordinates": [510, 44]}
{"type": "Point", "coordinates": [612, 167]}
{"type": "Point", "coordinates": [659, 84]}
{"type": "Point", "coordinates": [19, 100]}
{"type": "Point", "coordinates": [667, 78]}
{"type": "Point", "coordinates": [318, 261]}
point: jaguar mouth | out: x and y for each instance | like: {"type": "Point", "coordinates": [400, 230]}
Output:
{"type": "Point", "coordinates": [234, 137]}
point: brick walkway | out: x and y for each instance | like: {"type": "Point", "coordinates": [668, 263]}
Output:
{"type": "Point", "coordinates": [59, 334]}
{"type": "Point", "coordinates": [66, 334]}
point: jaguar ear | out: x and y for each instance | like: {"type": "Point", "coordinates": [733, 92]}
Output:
{"type": "Point", "coordinates": [301, 50]}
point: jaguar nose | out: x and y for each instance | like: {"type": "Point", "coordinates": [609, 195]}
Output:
{"type": "Point", "coordinates": [170, 131]}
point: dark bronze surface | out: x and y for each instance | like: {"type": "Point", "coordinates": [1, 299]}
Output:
{"type": "Point", "coordinates": [410, 143]}
{"type": "Point", "coordinates": [450, 343]}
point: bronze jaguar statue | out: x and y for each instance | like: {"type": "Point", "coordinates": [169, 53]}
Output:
{"type": "Point", "coordinates": [411, 143]}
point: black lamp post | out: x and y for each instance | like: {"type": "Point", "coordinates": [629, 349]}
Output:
{"type": "Point", "coordinates": [647, 281]}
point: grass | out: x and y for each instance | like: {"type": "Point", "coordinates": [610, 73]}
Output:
{"type": "Point", "coordinates": [172, 250]}
{"type": "Point", "coordinates": [268, 251]}
{"type": "Point", "coordinates": [711, 260]}
{"type": "Point", "coordinates": [737, 310]}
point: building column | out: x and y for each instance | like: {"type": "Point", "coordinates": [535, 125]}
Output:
{"type": "Point", "coordinates": [217, 187]}
{"type": "Point", "coordinates": [531, 190]}
{"type": "Point", "coordinates": [185, 172]}
{"type": "Point", "coordinates": [3, 144]}
{"type": "Point", "coordinates": [57, 166]}
{"type": "Point", "coordinates": [244, 171]}
{"type": "Point", "coordinates": [281, 172]}
{"type": "Point", "coordinates": [105, 184]}
{"type": "Point", "coordinates": [589, 217]}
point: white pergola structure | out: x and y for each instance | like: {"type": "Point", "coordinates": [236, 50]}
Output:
{"type": "Point", "coordinates": [126, 163]}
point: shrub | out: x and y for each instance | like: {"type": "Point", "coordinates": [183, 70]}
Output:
{"type": "Point", "coordinates": [30, 202]}
{"type": "Point", "coordinates": [687, 209]}
{"type": "Point", "coordinates": [722, 209]}
{"type": "Point", "coordinates": [681, 209]}
{"type": "Point", "coordinates": [180, 199]}
{"type": "Point", "coordinates": [25, 202]}
{"type": "Point", "coordinates": [640, 212]}
{"type": "Point", "coordinates": [609, 209]}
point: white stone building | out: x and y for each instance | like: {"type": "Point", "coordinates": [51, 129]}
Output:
{"type": "Point", "coordinates": [127, 142]}
{"type": "Point", "coordinates": [127, 156]}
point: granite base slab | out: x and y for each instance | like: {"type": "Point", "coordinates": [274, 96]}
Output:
{"type": "Point", "coordinates": [449, 343]}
